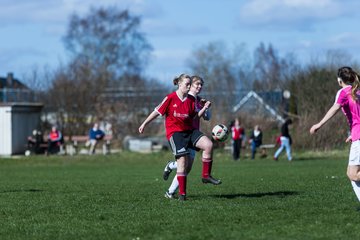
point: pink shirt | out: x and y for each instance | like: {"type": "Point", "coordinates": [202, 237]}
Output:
{"type": "Point", "coordinates": [351, 109]}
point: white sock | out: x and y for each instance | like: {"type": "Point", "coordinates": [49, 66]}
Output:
{"type": "Point", "coordinates": [174, 185]}
{"type": "Point", "coordinates": [356, 187]}
{"type": "Point", "coordinates": [173, 165]}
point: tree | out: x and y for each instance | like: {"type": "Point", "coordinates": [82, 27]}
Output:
{"type": "Point", "coordinates": [314, 88]}
{"type": "Point", "coordinates": [224, 71]}
{"type": "Point", "coordinates": [106, 48]}
{"type": "Point", "coordinates": [108, 39]}
{"type": "Point", "coordinates": [270, 70]}
{"type": "Point", "coordinates": [73, 98]}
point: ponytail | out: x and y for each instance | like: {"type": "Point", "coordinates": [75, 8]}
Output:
{"type": "Point", "coordinates": [176, 81]}
{"type": "Point", "coordinates": [350, 77]}
{"type": "Point", "coordinates": [355, 86]}
{"type": "Point", "coordinates": [179, 79]}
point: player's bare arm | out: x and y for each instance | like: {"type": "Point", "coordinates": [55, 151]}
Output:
{"type": "Point", "coordinates": [206, 106]}
{"type": "Point", "coordinates": [330, 113]}
{"type": "Point", "coordinates": [151, 117]}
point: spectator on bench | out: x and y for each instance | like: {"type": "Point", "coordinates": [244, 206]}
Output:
{"type": "Point", "coordinates": [95, 135]}
{"type": "Point", "coordinates": [34, 143]}
{"type": "Point", "coordinates": [55, 141]}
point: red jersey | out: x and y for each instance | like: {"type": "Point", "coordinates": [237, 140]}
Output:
{"type": "Point", "coordinates": [237, 132]}
{"type": "Point", "coordinates": [179, 113]}
{"type": "Point", "coordinates": [55, 136]}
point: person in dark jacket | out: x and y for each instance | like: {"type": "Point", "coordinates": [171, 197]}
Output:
{"type": "Point", "coordinates": [285, 141]}
{"type": "Point", "coordinates": [35, 143]}
{"type": "Point", "coordinates": [95, 135]}
{"type": "Point", "coordinates": [255, 140]}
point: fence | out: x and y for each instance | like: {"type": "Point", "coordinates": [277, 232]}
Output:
{"type": "Point", "coordinates": [17, 95]}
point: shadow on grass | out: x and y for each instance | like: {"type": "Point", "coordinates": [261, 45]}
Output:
{"type": "Point", "coordinates": [312, 158]}
{"type": "Point", "coordinates": [280, 194]}
{"type": "Point", "coordinates": [21, 190]}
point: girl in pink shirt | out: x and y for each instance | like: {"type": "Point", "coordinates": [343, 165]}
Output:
{"type": "Point", "coordinates": [347, 99]}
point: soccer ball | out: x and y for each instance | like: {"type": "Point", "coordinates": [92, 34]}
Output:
{"type": "Point", "coordinates": [220, 132]}
{"type": "Point", "coordinates": [27, 153]}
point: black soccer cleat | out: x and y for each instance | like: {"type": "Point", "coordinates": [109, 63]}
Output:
{"type": "Point", "coordinates": [167, 171]}
{"type": "Point", "coordinates": [211, 180]}
{"type": "Point", "coordinates": [182, 197]}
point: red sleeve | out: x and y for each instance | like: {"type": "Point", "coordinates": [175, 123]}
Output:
{"type": "Point", "coordinates": [163, 106]}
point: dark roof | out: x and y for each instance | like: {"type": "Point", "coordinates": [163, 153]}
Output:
{"type": "Point", "coordinates": [11, 82]}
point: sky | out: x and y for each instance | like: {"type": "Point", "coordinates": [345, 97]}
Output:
{"type": "Point", "coordinates": [32, 31]}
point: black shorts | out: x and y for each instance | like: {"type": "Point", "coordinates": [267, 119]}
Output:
{"type": "Point", "coordinates": [180, 142]}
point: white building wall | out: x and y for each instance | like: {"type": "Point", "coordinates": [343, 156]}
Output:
{"type": "Point", "coordinates": [5, 126]}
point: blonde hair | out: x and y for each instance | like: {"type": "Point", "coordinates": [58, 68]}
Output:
{"type": "Point", "coordinates": [181, 78]}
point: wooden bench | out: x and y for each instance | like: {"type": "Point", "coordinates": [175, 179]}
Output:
{"type": "Point", "coordinates": [75, 142]}
{"type": "Point", "coordinates": [264, 148]}
{"type": "Point", "coordinates": [32, 147]}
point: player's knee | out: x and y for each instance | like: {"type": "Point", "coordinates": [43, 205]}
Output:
{"type": "Point", "coordinates": [205, 144]}
{"type": "Point", "coordinates": [353, 176]}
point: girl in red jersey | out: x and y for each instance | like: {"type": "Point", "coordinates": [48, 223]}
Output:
{"type": "Point", "coordinates": [195, 89]}
{"type": "Point", "coordinates": [55, 141]}
{"type": "Point", "coordinates": [237, 135]}
{"type": "Point", "coordinates": [179, 110]}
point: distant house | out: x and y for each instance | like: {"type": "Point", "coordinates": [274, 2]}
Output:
{"type": "Point", "coordinates": [11, 83]}
{"type": "Point", "coordinates": [14, 91]}
{"type": "Point", "coordinates": [268, 104]}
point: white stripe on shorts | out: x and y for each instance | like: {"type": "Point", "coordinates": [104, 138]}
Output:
{"type": "Point", "coordinates": [172, 145]}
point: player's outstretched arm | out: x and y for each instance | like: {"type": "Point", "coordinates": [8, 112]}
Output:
{"type": "Point", "coordinates": [348, 139]}
{"type": "Point", "coordinates": [207, 114]}
{"type": "Point", "coordinates": [151, 117]}
{"type": "Point", "coordinates": [203, 110]}
{"type": "Point", "coordinates": [330, 113]}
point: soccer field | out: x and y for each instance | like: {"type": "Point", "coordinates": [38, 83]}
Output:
{"type": "Point", "coordinates": [121, 197]}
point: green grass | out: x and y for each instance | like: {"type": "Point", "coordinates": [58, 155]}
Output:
{"type": "Point", "coordinates": [121, 197]}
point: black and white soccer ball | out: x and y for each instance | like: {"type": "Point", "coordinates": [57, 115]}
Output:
{"type": "Point", "coordinates": [220, 132]}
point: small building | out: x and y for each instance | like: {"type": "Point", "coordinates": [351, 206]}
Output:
{"type": "Point", "coordinates": [17, 121]}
